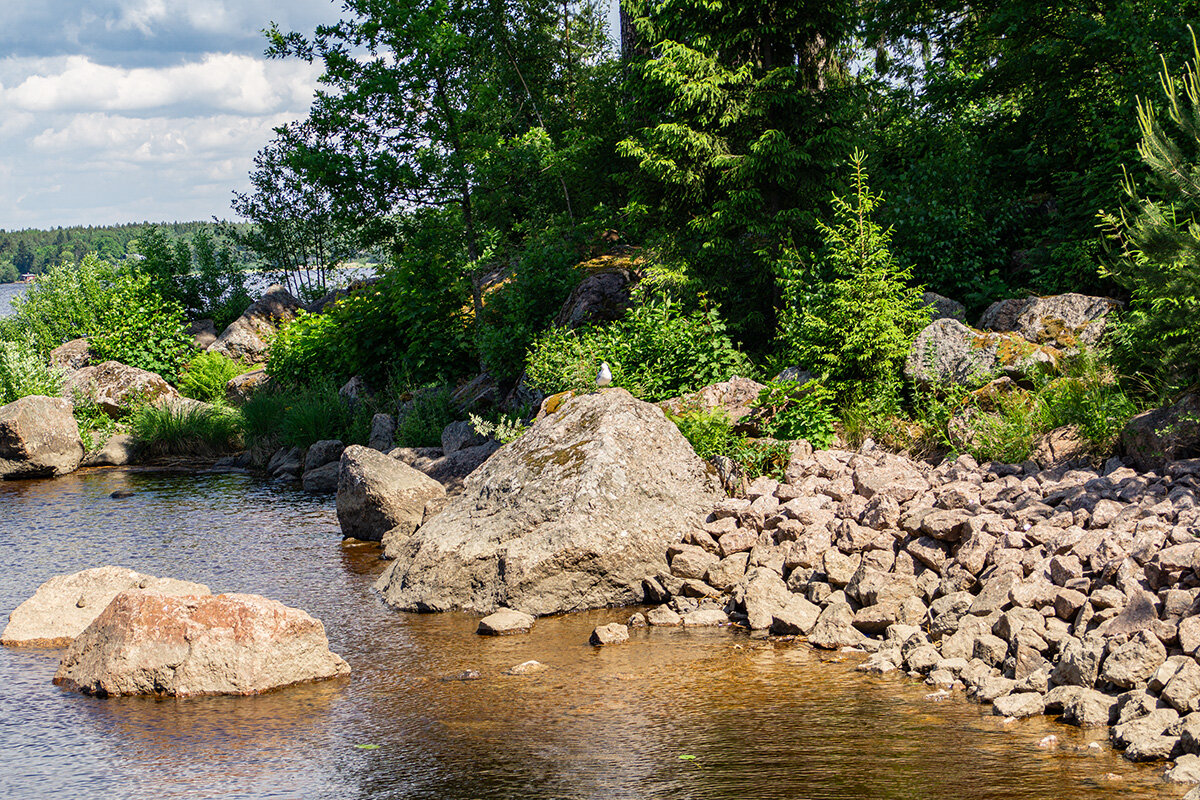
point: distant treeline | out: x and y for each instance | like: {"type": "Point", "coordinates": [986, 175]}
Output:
{"type": "Point", "coordinates": [34, 251]}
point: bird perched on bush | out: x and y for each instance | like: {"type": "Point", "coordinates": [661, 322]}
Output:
{"type": "Point", "coordinates": [604, 376]}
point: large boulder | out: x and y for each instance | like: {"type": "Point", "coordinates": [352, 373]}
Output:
{"type": "Point", "coordinates": [1064, 321]}
{"type": "Point", "coordinates": [736, 396]}
{"type": "Point", "coordinates": [1153, 438]}
{"type": "Point", "coordinates": [117, 387]}
{"type": "Point", "coordinates": [246, 337]}
{"type": "Point", "coordinates": [577, 513]}
{"type": "Point", "coordinates": [941, 307]}
{"type": "Point", "coordinates": [377, 494]}
{"type": "Point", "coordinates": [66, 604]}
{"type": "Point", "coordinates": [948, 353]}
{"type": "Point", "coordinates": [602, 296]}
{"type": "Point", "coordinates": [203, 333]}
{"type": "Point", "coordinates": [72, 355]}
{"type": "Point", "coordinates": [239, 388]}
{"type": "Point", "coordinates": [38, 438]}
{"type": "Point", "coordinates": [149, 643]}
{"type": "Point", "coordinates": [119, 450]}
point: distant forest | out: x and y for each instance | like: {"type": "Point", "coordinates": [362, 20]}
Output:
{"type": "Point", "coordinates": [34, 251]}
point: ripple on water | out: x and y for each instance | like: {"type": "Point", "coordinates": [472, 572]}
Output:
{"type": "Point", "coordinates": [672, 714]}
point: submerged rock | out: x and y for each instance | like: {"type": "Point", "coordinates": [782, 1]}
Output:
{"type": "Point", "coordinates": [577, 513]}
{"type": "Point", "coordinates": [504, 622]}
{"type": "Point", "coordinates": [65, 605]}
{"type": "Point", "coordinates": [38, 438]}
{"type": "Point", "coordinates": [147, 642]}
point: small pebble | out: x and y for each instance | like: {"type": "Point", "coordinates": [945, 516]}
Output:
{"type": "Point", "coordinates": [1049, 742]}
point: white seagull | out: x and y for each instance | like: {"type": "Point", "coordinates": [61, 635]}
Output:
{"type": "Point", "coordinates": [604, 376]}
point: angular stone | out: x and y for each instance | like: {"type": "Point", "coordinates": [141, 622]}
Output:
{"type": "Point", "coordinates": [1089, 708]}
{"type": "Point", "coordinates": [796, 618]}
{"type": "Point", "coordinates": [612, 633]}
{"type": "Point", "coordinates": [1183, 690]}
{"type": "Point", "coordinates": [1079, 663]}
{"type": "Point", "coordinates": [835, 628]}
{"type": "Point", "coordinates": [377, 494]}
{"type": "Point", "coordinates": [1135, 661]}
{"type": "Point", "coordinates": [65, 605]}
{"type": "Point", "coordinates": [505, 621]}
{"type": "Point", "coordinates": [1019, 705]}
{"type": "Point", "coordinates": [663, 616]}
{"type": "Point", "coordinates": [38, 438]}
{"type": "Point", "coordinates": [146, 642]}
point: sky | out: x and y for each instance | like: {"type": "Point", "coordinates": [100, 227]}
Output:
{"type": "Point", "coordinates": [129, 110]}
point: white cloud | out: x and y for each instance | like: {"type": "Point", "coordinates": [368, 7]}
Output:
{"type": "Point", "coordinates": [218, 82]}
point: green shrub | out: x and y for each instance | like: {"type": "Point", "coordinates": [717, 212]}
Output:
{"type": "Point", "coordinates": [790, 410]}
{"type": "Point", "coordinates": [91, 418]}
{"type": "Point", "coordinates": [852, 317]}
{"type": "Point", "coordinates": [421, 425]}
{"type": "Point", "coordinates": [140, 329]}
{"type": "Point", "coordinates": [24, 372]}
{"type": "Point", "coordinates": [656, 351]}
{"type": "Point", "coordinates": [163, 430]}
{"type": "Point", "coordinates": [505, 429]}
{"type": "Point", "coordinates": [205, 376]}
{"type": "Point", "coordinates": [707, 430]}
{"type": "Point", "coordinates": [67, 301]}
{"type": "Point", "coordinates": [310, 348]}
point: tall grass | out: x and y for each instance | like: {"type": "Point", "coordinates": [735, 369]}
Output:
{"type": "Point", "coordinates": [296, 418]}
{"type": "Point", "coordinates": [200, 431]}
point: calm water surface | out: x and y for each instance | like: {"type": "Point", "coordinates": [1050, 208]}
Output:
{"type": "Point", "coordinates": [756, 719]}
{"type": "Point", "coordinates": [7, 292]}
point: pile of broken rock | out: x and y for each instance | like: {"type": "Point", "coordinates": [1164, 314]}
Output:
{"type": "Point", "coordinates": [1067, 591]}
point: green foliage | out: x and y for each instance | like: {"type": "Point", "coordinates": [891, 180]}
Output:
{"type": "Point", "coordinates": [851, 317]}
{"type": "Point", "coordinates": [707, 430]}
{"type": "Point", "coordinates": [202, 276]}
{"type": "Point", "coordinates": [24, 371]}
{"type": "Point", "coordinates": [656, 351]}
{"type": "Point", "coordinates": [162, 430]}
{"type": "Point", "coordinates": [543, 275]}
{"type": "Point", "coordinates": [299, 417]}
{"type": "Point", "coordinates": [67, 302]}
{"type": "Point", "coordinates": [504, 430]}
{"type": "Point", "coordinates": [312, 347]}
{"type": "Point", "coordinates": [140, 329]}
{"type": "Point", "coordinates": [790, 410]}
{"type": "Point", "coordinates": [739, 115]}
{"type": "Point", "coordinates": [91, 418]}
{"type": "Point", "coordinates": [205, 376]}
{"type": "Point", "coordinates": [429, 412]}
{"type": "Point", "coordinates": [1157, 237]}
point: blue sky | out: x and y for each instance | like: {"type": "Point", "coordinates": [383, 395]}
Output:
{"type": "Point", "coordinates": [129, 110]}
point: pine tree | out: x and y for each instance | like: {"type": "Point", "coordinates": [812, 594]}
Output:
{"type": "Point", "coordinates": [1156, 238]}
{"type": "Point", "coordinates": [852, 317]}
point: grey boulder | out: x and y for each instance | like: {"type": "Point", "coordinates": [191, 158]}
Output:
{"type": "Point", "coordinates": [38, 438]}
{"type": "Point", "coordinates": [577, 513]}
{"type": "Point", "coordinates": [377, 494]}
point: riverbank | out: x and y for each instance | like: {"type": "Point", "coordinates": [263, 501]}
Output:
{"type": "Point", "coordinates": [761, 718]}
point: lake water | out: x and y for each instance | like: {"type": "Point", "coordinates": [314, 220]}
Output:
{"type": "Point", "coordinates": [7, 292]}
{"type": "Point", "coordinates": [672, 714]}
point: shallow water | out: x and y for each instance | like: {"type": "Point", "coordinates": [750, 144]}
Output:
{"type": "Point", "coordinates": [754, 718]}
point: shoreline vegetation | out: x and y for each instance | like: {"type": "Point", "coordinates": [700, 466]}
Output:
{"type": "Point", "coordinates": [941, 349]}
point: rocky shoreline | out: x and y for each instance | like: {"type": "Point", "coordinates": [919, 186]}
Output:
{"type": "Point", "coordinates": [1070, 591]}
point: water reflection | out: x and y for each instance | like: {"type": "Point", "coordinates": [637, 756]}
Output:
{"type": "Point", "coordinates": [672, 714]}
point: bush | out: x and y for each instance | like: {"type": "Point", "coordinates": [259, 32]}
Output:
{"type": "Point", "coordinates": [422, 424]}
{"type": "Point", "coordinates": [656, 351]}
{"type": "Point", "coordinates": [205, 376]}
{"type": "Point", "coordinates": [24, 372]}
{"type": "Point", "coordinates": [140, 329]}
{"type": "Point", "coordinates": [67, 302]}
{"type": "Point", "coordinates": [310, 348]}
{"type": "Point", "coordinates": [790, 410]}
{"type": "Point", "coordinates": [201, 431]}
{"type": "Point", "coordinates": [707, 430]}
{"type": "Point", "coordinates": [852, 318]}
